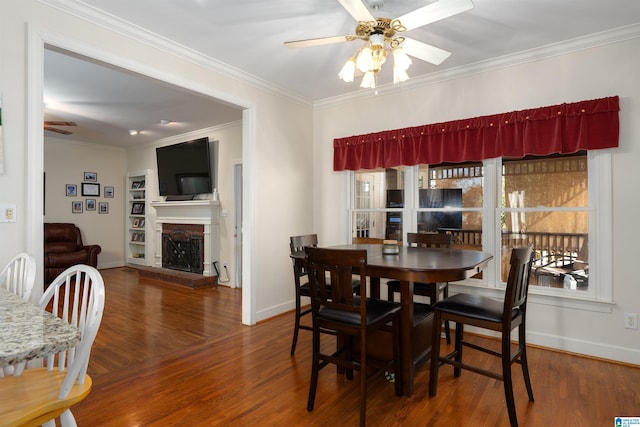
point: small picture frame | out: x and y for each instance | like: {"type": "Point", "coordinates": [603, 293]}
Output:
{"type": "Point", "coordinates": [135, 237]}
{"type": "Point", "coordinates": [137, 185]}
{"type": "Point", "coordinates": [76, 207]}
{"type": "Point", "coordinates": [137, 208]}
{"type": "Point", "coordinates": [108, 192]}
{"type": "Point", "coordinates": [136, 223]}
{"type": "Point", "coordinates": [71, 190]}
{"type": "Point", "coordinates": [91, 204]}
{"type": "Point", "coordinates": [141, 222]}
{"type": "Point", "coordinates": [103, 207]}
{"type": "Point", "coordinates": [90, 177]}
{"type": "Point", "coordinates": [89, 189]}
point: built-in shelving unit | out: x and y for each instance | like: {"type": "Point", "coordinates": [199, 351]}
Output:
{"type": "Point", "coordinates": [138, 228]}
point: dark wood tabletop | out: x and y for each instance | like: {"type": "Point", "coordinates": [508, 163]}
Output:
{"type": "Point", "coordinates": [415, 264]}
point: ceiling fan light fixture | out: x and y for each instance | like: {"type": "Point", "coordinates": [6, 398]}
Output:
{"type": "Point", "coordinates": [399, 76]}
{"type": "Point", "coordinates": [348, 70]}
{"type": "Point", "coordinates": [368, 80]}
{"type": "Point", "coordinates": [401, 60]}
{"type": "Point", "coordinates": [364, 62]}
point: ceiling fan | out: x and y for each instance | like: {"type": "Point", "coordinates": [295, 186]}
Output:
{"type": "Point", "coordinates": [49, 125]}
{"type": "Point", "coordinates": [381, 37]}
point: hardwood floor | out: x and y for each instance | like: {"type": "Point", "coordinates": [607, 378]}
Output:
{"type": "Point", "coordinates": [167, 355]}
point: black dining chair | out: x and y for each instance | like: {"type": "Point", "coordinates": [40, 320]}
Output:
{"type": "Point", "coordinates": [488, 313]}
{"type": "Point", "coordinates": [296, 245]}
{"type": "Point", "coordinates": [433, 291]}
{"type": "Point", "coordinates": [353, 317]}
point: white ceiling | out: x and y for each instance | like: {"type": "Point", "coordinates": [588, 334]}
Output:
{"type": "Point", "coordinates": [249, 35]}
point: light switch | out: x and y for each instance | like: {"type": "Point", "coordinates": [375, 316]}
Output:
{"type": "Point", "coordinates": [8, 212]}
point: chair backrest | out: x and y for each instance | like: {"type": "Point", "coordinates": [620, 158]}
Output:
{"type": "Point", "coordinates": [297, 243]}
{"type": "Point", "coordinates": [429, 240]}
{"type": "Point", "coordinates": [77, 297]}
{"type": "Point", "coordinates": [518, 280]}
{"type": "Point", "coordinates": [331, 276]}
{"type": "Point", "coordinates": [19, 275]}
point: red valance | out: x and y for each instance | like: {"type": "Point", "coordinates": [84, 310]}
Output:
{"type": "Point", "coordinates": [564, 128]}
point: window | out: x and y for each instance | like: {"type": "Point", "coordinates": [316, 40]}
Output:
{"type": "Point", "coordinates": [557, 203]}
{"type": "Point", "coordinates": [378, 205]}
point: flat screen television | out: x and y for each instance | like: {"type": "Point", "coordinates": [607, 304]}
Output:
{"type": "Point", "coordinates": [440, 198]}
{"type": "Point", "coordinates": [184, 169]}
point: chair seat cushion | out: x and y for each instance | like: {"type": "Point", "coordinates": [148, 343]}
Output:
{"type": "Point", "coordinates": [35, 393]}
{"type": "Point", "coordinates": [474, 306]}
{"type": "Point", "coordinates": [377, 311]}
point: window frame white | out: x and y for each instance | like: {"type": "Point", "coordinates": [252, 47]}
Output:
{"type": "Point", "coordinates": [599, 296]}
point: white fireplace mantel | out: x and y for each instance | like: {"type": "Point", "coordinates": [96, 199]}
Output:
{"type": "Point", "coordinates": [204, 212]}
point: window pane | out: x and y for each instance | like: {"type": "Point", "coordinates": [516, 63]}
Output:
{"type": "Point", "coordinates": [560, 244]}
{"type": "Point", "coordinates": [550, 182]}
{"type": "Point", "coordinates": [378, 189]}
{"type": "Point", "coordinates": [441, 189]}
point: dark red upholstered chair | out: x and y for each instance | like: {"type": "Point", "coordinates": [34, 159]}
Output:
{"type": "Point", "coordinates": [63, 248]}
{"type": "Point", "coordinates": [492, 314]}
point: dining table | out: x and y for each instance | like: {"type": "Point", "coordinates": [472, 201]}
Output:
{"type": "Point", "coordinates": [410, 265]}
{"type": "Point", "coordinates": [28, 332]}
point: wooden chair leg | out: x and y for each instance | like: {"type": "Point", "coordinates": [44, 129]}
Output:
{"type": "Point", "coordinates": [435, 354]}
{"type": "Point", "coordinates": [523, 361]}
{"type": "Point", "coordinates": [296, 326]}
{"type": "Point", "coordinates": [447, 328]}
{"type": "Point", "coordinates": [458, 348]}
{"type": "Point", "coordinates": [507, 379]}
{"type": "Point", "coordinates": [315, 367]}
{"type": "Point", "coordinates": [363, 380]}
{"type": "Point", "coordinates": [396, 356]}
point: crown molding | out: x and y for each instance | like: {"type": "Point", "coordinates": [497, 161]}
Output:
{"type": "Point", "coordinates": [127, 29]}
{"type": "Point", "coordinates": [577, 44]}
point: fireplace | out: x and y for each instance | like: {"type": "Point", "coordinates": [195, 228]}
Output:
{"type": "Point", "coordinates": [183, 247]}
{"type": "Point", "coordinates": [186, 235]}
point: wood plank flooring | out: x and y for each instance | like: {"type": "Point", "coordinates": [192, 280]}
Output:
{"type": "Point", "coordinates": [167, 355]}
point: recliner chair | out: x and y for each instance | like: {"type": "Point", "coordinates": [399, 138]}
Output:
{"type": "Point", "coordinates": [63, 248]}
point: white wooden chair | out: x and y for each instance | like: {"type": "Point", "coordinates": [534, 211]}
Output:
{"type": "Point", "coordinates": [19, 275]}
{"type": "Point", "coordinates": [40, 395]}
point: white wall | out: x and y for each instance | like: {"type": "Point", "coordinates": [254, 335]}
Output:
{"type": "Point", "coordinates": [65, 163]}
{"type": "Point", "coordinates": [592, 73]}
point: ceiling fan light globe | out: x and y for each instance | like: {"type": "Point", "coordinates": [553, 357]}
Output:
{"type": "Point", "coordinates": [368, 80]}
{"type": "Point", "coordinates": [401, 60]}
{"type": "Point", "coordinates": [364, 62]}
{"type": "Point", "coordinates": [348, 70]}
{"type": "Point", "coordinates": [378, 56]}
{"type": "Point", "coordinates": [399, 76]}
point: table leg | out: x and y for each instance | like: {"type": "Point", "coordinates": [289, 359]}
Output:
{"type": "Point", "coordinates": [406, 337]}
{"type": "Point", "coordinates": [374, 286]}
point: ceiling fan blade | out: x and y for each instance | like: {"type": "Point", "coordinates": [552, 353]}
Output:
{"type": "Point", "coordinates": [358, 10]}
{"type": "Point", "coordinates": [56, 123]}
{"type": "Point", "coordinates": [61, 131]}
{"type": "Point", "coordinates": [319, 41]}
{"type": "Point", "coordinates": [425, 52]}
{"type": "Point", "coordinates": [434, 12]}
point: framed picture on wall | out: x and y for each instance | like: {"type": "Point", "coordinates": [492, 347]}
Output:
{"type": "Point", "coordinates": [90, 189]}
{"type": "Point", "coordinates": [71, 190]}
{"type": "Point", "coordinates": [91, 204]}
{"type": "Point", "coordinates": [103, 207]}
{"type": "Point", "coordinates": [90, 176]}
{"type": "Point", "coordinates": [76, 207]}
{"type": "Point", "coordinates": [108, 192]}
